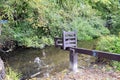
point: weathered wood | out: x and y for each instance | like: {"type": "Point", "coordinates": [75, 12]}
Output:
{"type": "Point", "coordinates": [74, 51]}
{"type": "Point", "coordinates": [69, 42]}
{"type": "Point", "coordinates": [69, 39]}
{"type": "Point", "coordinates": [2, 70]}
{"type": "Point", "coordinates": [69, 33]}
{"type": "Point", "coordinates": [70, 45]}
{"type": "Point", "coordinates": [108, 55]}
{"type": "Point", "coordinates": [73, 60]}
{"type": "Point", "coordinates": [58, 42]}
{"type": "Point", "coordinates": [34, 75]}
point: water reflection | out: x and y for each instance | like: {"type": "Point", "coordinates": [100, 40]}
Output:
{"type": "Point", "coordinates": [49, 61]}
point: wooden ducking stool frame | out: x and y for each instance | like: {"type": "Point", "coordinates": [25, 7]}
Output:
{"type": "Point", "coordinates": [69, 42]}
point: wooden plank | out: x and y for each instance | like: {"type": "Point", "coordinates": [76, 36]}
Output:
{"type": "Point", "coordinates": [70, 41]}
{"type": "Point", "coordinates": [70, 37]}
{"type": "Point", "coordinates": [68, 33]}
{"type": "Point", "coordinates": [70, 45]}
{"type": "Point", "coordinates": [59, 45]}
{"type": "Point", "coordinates": [58, 38]}
{"type": "Point", "coordinates": [108, 55]}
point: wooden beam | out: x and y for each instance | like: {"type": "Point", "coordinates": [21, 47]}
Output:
{"type": "Point", "coordinates": [96, 53]}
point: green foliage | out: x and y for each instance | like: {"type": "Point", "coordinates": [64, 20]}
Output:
{"type": "Point", "coordinates": [116, 65]}
{"type": "Point", "coordinates": [89, 28]}
{"type": "Point", "coordinates": [116, 23]}
{"type": "Point", "coordinates": [36, 22]}
{"type": "Point", "coordinates": [80, 17]}
{"type": "Point", "coordinates": [6, 33]}
{"type": "Point", "coordinates": [110, 44]}
{"type": "Point", "coordinates": [12, 75]}
{"type": "Point", "coordinates": [23, 19]}
{"type": "Point", "coordinates": [108, 10]}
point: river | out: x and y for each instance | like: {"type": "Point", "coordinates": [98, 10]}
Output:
{"type": "Point", "coordinates": [54, 59]}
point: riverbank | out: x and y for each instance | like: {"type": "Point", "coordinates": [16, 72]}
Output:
{"type": "Point", "coordinates": [95, 72]}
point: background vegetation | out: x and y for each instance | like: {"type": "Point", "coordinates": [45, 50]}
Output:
{"type": "Point", "coordinates": [34, 23]}
{"type": "Point", "coordinates": [110, 44]}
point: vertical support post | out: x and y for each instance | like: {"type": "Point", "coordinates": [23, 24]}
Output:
{"type": "Point", "coordinates": [76, 38]}
{"type": "Point", "coordinates": [63, 41]}
{"type": "Point", "coordinates": [55, 42]}
{"type": "Point", "coordinates": [0, 28]}
{"type": "Point", "coordinates": [73, 60]}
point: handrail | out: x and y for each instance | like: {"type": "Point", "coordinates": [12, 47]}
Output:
{"type": "Point", "coordinates": [74, 51]}
{"type": "Point", "coordinates": [96, 53]}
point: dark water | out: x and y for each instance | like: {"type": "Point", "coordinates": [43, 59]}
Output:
{"type": "Point", "coordinates": [56, 59]}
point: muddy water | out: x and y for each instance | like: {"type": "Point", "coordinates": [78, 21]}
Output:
{"type": "Point", "coordinates": [55, 59]}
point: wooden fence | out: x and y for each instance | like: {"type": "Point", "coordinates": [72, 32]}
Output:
{"type": "Point", "coordinates": [69, 42]}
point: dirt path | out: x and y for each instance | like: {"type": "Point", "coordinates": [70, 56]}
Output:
{"type": "Point", "coordinates": [93, 71]}
{"type": "Point", "coordinates": [85, 74]}
{"type": "Point", "coordinates": [96, 72]}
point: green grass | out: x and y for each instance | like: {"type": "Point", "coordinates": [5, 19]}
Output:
{"type": "Point", "coordinates": [11, 74]}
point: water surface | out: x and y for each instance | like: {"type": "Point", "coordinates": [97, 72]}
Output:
{"type": "Point", "coordinates": [56, 59]}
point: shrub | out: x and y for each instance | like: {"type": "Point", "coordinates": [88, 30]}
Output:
{"type": "Point", "coordinates": [30, 21]}
{"type": "Point", "coordinates": [110, 44]}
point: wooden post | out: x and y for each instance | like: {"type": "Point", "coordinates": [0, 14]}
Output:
{"type": "Point", "coordinates": [55, 42]}
{"type": "Point", "coordinates": [73, 60]}
{"type": "Point", "coordinates": [63, 41]}
{"type": "Point", "coordinates": [0, 28]}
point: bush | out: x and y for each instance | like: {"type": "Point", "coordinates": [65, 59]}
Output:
{"type": "Point", "coordinates": [89, 28]}
{"type": "Point", "coordinates": [110, 44]}
{"type": "Point", "coordinates": [36, 23]}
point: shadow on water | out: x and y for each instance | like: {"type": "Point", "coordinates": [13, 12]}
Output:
{"type": "Point", "coordinates": [55, 59]}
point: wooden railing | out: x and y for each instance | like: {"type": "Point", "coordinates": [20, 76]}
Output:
{"type": "Point", "coordinates": [69, 42]}
{"type": "Point", "coordinates": [69, 39]}
{"type": "Point", "coordinates": [74, 52]}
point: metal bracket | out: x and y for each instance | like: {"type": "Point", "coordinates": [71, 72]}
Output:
{"type": "Point", "coordinates": [72, 50]}
{"type": "Point", "coordinates": [94, 53]}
